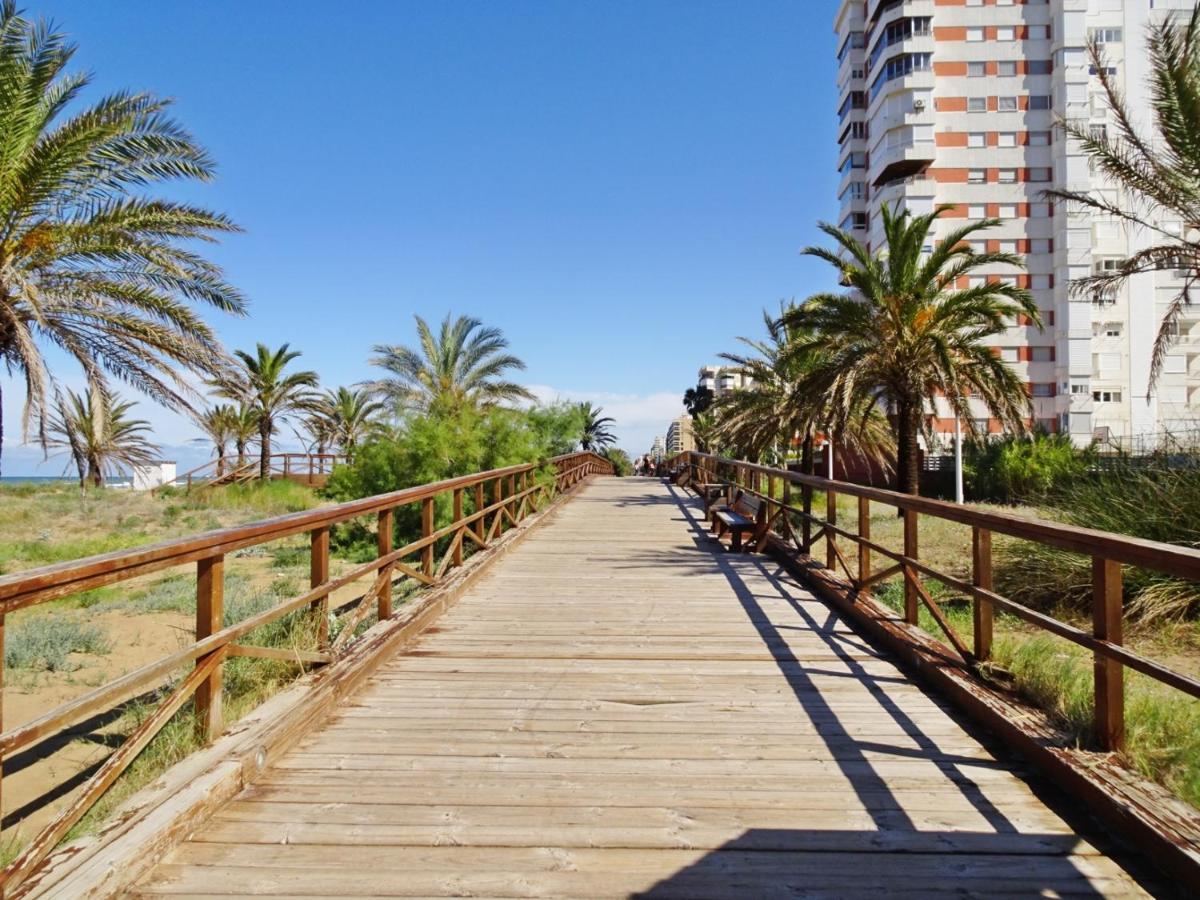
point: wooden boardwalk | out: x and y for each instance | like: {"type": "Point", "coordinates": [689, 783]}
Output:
{"type": "Point", "coordinates": [622, 709]}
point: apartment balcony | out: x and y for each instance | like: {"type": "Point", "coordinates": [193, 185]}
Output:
{"type": "Point", "coordinates": [906, 159]}
{"type": "Point", "coordinates": [916, 187]}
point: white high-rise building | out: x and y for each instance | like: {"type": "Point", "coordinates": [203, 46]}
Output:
{"type": "Point", "coordinates": [956, 102]}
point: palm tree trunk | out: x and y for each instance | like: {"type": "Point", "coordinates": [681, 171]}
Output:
{"type": "Point", "coordinates": [241, 452]}
{"type": "Point", "coordinates": [908, 468]}
{"type": "Point", "coordinates": [94, 475]}
{"type": "Point", "coordinates": [220, 461]}
{"type": "Point", "coordinates": [264, 455]}
{"type": "Point", "coordinates": [1, 424]}
{"type": "Point", "coordinates": [806, 466]}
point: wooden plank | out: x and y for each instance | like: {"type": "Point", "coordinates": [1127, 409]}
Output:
{"type": "Point", "coordinates": [210, 618]}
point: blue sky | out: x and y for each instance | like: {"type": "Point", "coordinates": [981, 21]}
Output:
{"type": "Point", "coordinates": [620, 186]}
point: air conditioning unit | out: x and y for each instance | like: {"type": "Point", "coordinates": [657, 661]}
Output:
{"type": "Point", "coordinates": [919, 105]}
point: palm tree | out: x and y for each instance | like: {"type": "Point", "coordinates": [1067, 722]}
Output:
{"type": "Point", "coordinates": [96, 431]}
{"type": "Point", "coordinates": [465, 363]}
{"type": "Point", "coordinates": [217, 424]}
{"type": "Point", "coordinates": [272, 393]}
{"type": "Point", "coordinates": [907, 333]}
{"type": "Point", "coordinates": [87, 264]}
{"type": "Point", "coordinates": [1158, 174]}
{"type": "Point", "coordinates": [779, 405]}
{"type": "Point", "coordinates": [594, 432]}
{"type": "Point", "coordinates": [697, 400]}
{"type": "Point", "coordinates": [243, 429]}
{"type": "Point", "coordinates": [344, 417]}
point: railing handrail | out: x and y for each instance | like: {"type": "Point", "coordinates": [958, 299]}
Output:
{"type": "Point", "coordinates": [32, 586]}
{"type": "Point", "coordinates": [1171, 559]}
{"type": "Point", "coordinates": [1107, 551]}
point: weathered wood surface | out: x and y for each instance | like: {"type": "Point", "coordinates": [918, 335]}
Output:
{"type": "Point", "coordinates": [622, 709]}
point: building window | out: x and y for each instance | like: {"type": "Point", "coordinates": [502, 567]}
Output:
{"type": "Point", "coordinates": [1008, 246]}
{"type": "Point", "coordinates": [976, 211]}
{"type": "Point", "coordinates": [1039, 282]}
{"type": "Point", "coordinates": [977, 139]}
{"type": "Point", "coordinates": [1006, 211]}
{"type": "Point", "coordinates": [1006, 104]}
{"type": "Point", "coordinates": [1009, 354]}
{"type": "Point", "coordinates": [1041, 354]}
{"type": "Point", "coordinates": [1038, 173]}
{"type": "Point", "coordinates": [854, 221]}
{"type": "Point", "coordinates": [1007, 176]}
{"type": "Point", "coordinates": [1006, 34]}
{"type": "Point", "coordinates": [1039, 67]}
{"type": "Point", "coordinates": [1042, 390]}
{"type": "Point", "coordinates": [1078, 387]}
{"type": "Point", "coordinates": [1039, 210]}
{"type": "Point", "coordinates": [974, 34]}
{"type": "Point", "coordinates": [855, 190]}
{"type": "Point", "coordinates": [1106, 396]}
{"type": "Point", "coordinates": [1111, 71]}
{"type": "Point", "coordinates": [1039, 101]}
{"type": "Point", "coordinates": [977, 246]}
{"type": "Point", "coordinates": [1111, 331]}
{"type": "Point", "coordinates": [1106, 35]}
{"type": "Point", "coordinates": [1039, 139]}
{"type": "Point", "coordinates": [976, 176]}
{"type": "Point", "coordinates": [1006, 69]}
{"type": "Point", "coordinates": [1039, 245]}
{"type": "Point", "coordinates": [1006, 139]}
{"type": "Point", "coordinates": [899, 67]}
{"type": "Point", "coordinates": [1106, 265]}
{"type": "Point", "coordinates": [1038, 33]}
{"type": "Point", "coordinates": [976, 69]}
{"type": "Point", "coordinates": [977, 104]}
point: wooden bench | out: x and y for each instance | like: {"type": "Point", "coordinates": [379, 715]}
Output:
{"type": "Point", "coordinates": [711, 493]}
{"type": "Point", "coordinates": [746, 513]}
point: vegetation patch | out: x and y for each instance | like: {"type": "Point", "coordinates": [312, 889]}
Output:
{"type": "Point", "coordinates": [45, 643]}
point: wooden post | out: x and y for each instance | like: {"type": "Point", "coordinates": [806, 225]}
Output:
{"type": "Point", "coordinates": [318, 573]}
{"type": "Point", "coordinates": [426, 531]}
{"type": "Point", "coordinates": [830, 518]}
{"type": "Point", "coordinates": [479, 504]}
{"type": "Point", "coordinates": [864, 532]}
{"type": "Point", "coordinates": [210, 617]}
{"type": "Point", "coordinates": [457, 516]}
{"type": "Point", "coordinates": [1109, 673]}
{"type": "Point", "coordinates": [981, 577]}
{"type": "Point", "coordinates": [524, 500]}
{"type": "Point", "coordinates": [786, 500]}
{"type": "Point", "coordinates": [911, 599]}
{"type": "Point", "coordinates": [384, 547]}
{"type": "Point", "coordinates": [287, 465]}
{"type": "Point", "coordinates": [806, 524]}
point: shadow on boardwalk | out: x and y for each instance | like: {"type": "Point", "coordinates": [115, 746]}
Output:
{"type": "Point", "coordinates": [897, 858]}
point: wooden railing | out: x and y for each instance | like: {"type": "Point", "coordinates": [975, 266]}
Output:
{"type": "Point", "coordinates": [482, 507]}
{"type": "Point", "coordinates": [1109, 553]}
{"type": "Point", "coordinates": [284, 465]}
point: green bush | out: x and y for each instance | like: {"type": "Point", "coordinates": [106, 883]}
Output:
{"type": "Point", "coordinates": [1158, 505]}
{"type": "Point", "coordinates": [436, 446]}
{"type": "Point", "coordinates": [45, 643]}
{"type": "Point", "coordinates": [622, 466]}
{"type": "Point", "coordinates": [1024, 469]}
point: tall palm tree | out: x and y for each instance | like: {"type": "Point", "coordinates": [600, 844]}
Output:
{"type": "Point", "coordinates": [243, 429]}
{"type": "Point", "coordinates": [594, 433]}
{"type": "Point", "coordinates": [1157, 173]}
{"type": "Point", "coordinates": [264, 385]}
{"type": "Point", "coordinates": [779, 404]}
{"type": "Point", "coordinates": [217, 424]}
{"type": "Point", "coordinates": [344, 417]}
{"type": "Point", "coordinates": [464, 363]}
{"type": "Point", "coordinates": [906, 333]}
{"type": "Point", "coordinates": [89, 265]}
{"type": "Point", "coordinates": [102, 440]}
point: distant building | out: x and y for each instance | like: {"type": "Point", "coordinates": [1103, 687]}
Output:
{"type": "Point", "coordinates": [679, 436]}
{"type": "Point", "coordinates": [722, 379]}
{"type": "Point", "coordinates": [657, 449]}
{"type": "Point", "coordinates": [151, 475]}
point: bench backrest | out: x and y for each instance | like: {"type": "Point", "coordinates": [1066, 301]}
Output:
{"type": "Point", "coordinates": [747, 505]}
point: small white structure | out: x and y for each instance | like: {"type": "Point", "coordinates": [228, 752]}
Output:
{"type": "Point", "coordinates": [152, 475]}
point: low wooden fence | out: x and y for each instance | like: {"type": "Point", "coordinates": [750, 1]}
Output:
{"type": "Point", "coordinates": [778, 490]}
{"type": "Point", "coordinates": [306, 468]}
{"type": "Point", "coordinates": [482, 507]}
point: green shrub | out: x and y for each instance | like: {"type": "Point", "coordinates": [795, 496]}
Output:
{"type": "Point", "coordinates": [45, 643]}
{"type": "Point", "coordinates": [1021, 470]}
{"type": "Point", "coordinates": [1158, 505]}
{"type": "Point", "coordinates": [620, 461]}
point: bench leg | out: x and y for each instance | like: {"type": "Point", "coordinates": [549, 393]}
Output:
{"type": "Point", "coordinates": [737, 540]}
